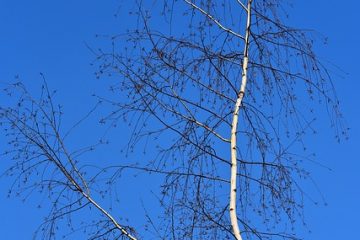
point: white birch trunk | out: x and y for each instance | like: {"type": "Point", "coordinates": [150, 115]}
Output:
{"type": "Point", "coordinates": [234, 126]}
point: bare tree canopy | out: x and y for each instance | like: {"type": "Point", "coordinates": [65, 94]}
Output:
{"type": "Point", "coordinates": [220, 93]}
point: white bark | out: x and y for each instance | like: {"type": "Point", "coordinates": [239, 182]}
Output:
{"type": "Point", "coordinates": [103, 211]}
{"type": "Point", "coordinates": [234, 126]}
{"type": "Point", "coordinates": [208, 15]}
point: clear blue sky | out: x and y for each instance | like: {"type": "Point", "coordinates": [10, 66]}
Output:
{"type": "Point", "coordinates": [49, 36]}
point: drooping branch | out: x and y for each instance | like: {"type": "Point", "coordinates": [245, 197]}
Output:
{"type": "Point", "coordinates": [184, 88]}
{"type": "Point", "coordinates": [181, 92]}
{"type": "Point", "coordinates": [34, 129]}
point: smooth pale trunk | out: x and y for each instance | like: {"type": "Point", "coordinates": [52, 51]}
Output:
{"type": "Point", "coordinates": [234, 127]}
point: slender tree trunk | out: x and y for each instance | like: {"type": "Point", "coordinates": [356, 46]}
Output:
{"type": "Point", "coordinates": [233, 185]}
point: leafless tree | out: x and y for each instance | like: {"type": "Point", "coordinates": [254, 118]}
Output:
{"type": "Point", "coordinates": [222, 94]}
{"type": "Point", "coordinates": [43, 163]}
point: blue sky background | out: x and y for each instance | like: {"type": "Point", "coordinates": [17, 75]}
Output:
{"type": "Point", "coordinates": [50, 36]}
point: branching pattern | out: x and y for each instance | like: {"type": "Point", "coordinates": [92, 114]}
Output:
{"type": "Point", "coordinates": [180, 87]}
{"type": "Point", "coordinates": [44, 164]}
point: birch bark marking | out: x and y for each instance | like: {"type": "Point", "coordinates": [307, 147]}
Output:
{"type": "Point", "coordinates": [233, 186]}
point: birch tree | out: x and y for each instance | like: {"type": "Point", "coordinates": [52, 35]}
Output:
{"type": "Point", "coordinates": [220, 96]}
